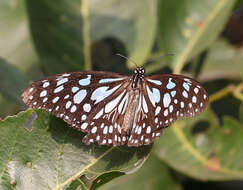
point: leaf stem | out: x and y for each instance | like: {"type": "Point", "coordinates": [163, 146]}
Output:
{"type": "Point", "coordinates": [86, 34]}
{"type": "Point", "coordinates": [236, 91]}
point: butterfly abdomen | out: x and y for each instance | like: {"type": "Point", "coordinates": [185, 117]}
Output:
{"type": "Point", "coordinates": [129, 117]}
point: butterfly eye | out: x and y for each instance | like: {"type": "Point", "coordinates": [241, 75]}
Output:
{"type": "Point", "coordinates": [114, 109]}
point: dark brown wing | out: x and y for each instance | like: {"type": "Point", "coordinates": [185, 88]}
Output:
{"type": "Point", "coordinates": [163, 99]}
{"type": "Point", "coordinates": [82, 99]}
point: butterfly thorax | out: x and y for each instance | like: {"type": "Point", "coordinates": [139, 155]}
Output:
{"type": "Point", "coordinates": [138, 77]}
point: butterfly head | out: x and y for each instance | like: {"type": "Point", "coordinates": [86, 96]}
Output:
{"type": "Point", "coordinates": [139, 71]}
{"type": "Point", "coordinates": [138, 76]}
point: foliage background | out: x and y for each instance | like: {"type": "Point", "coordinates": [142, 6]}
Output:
{"type": "Point", "coordinates": [40, 38]}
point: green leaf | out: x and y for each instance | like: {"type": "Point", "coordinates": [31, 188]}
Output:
{"type": "Point", "coordinates": [153, 175]}
{"type": "Point", "coordinates": [15, 40]}
{"type": "Point", "coordinates": [212, 154]}
{"type": "Point", "coordinates": [63, 36]}
{"type": "Point", "coordinates": [131, 22]}
{"type": "Point", "coordinates": [223, 61]}
{"type": "Point", "coordinates": [57, 34]}
{"type": "Point", "coordinates": [39, 151]}
{"type": "Point", "coordinates": [12, 82]}
{"type": "Point", "coordinates": [192, 28]}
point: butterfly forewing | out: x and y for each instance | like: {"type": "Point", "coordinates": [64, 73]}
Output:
{"type": "Point", "coordinates": [114, 109]}
{"type": "Point", "coordinates": [80, 99]}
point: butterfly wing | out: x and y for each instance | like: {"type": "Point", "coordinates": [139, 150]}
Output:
{"type": "Point", "coordinates": [163, 99]}
{"type": "Point", "coordinates": [82, 100]}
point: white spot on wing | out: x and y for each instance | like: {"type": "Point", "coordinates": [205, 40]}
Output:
{"type": "Point", "coordinates": [186, 86]}
{"type": "Point", "coordinates": [196, 90]}
{"type": "Point", "coordinates": [105, 130]}
{"type": "Point", "coordinates": [43, 93]}
{"type": "Point", "coordinates": [45, 99]}
{"type": "Point", "coordinates": [170, 84]}
{"type": "Point", "coordinates": [66, 97]}
{"type": "Point", "coordinates": [78, 98]}
{"type": "Point", "coordinates": [113, 103]}
{"type": "Point", "coordinates": [75, 89]}
{"type": "Point", "coordinates": [99, 114]}
{"type": "Point", "coordinates": [62, 81]}
{"type": "Point", "coordinates": [46, 84]}
{"type": "Point", "coordinates": [55, 100]}
{"type": "Point", "coordinates": [166, 100]}
{"type": "Point", "coordinates": [148, 130]}
{"type": "Point", "coordinates": [68, 104]}
{"type": "Point", "coordinates": [102, 92]}
{"type": "Point", "coordinates": [182, 104]}
{"type": "Point", "coordinates": [166, 112]}
{"type": "Point", "coordinates": [31, 89]}
{"type": "Point", "coordinates": [58, 89]}
{"type": "Point", "coordinates": [145, 106]}
{"type": "Point", "coordinates": [155, 81]}
{"type": "Point", "coordinates": [87, 107]}
{"type": "Point", "coordinates": [85, 81]}
{"type": "Point", "coordinates": [110, 80]}
{"type": "Point", "coordinates": [84, 126]}
{"type": "Point", "coordinates": [154, 95]}
{"type": "Point", "coordinates": [171, 108]}
{"type": "Point", "coordinates": [84, 117]}
{"type": "Point", "coordinates": [94, 129]}
{"type": "Point", "coordinates": [157, 110]}
{"type": "Point", "coordinates": [73, 108]}
{"type": "Point", "coordinates": [173, 93]}
{"type": "Point", "coordinates": [185, 94]}
{"type": "Point", "coordinates": [123, 104]}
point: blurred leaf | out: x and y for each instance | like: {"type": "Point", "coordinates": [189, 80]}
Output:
{"type": "Point", "coordinates": [154, 175]}
{"type": "Point", "coordinates": [39, 151]}
{"type": "Point", "coordinates": [192, 27]}
{"type": "Point", "coordinates": [59, 33]}
{"type": "Point", "coordinates": [212, 154]}
{"type": "Point", "coordinates": [223, 61]}
{"type": "Point", "coordinates": [15, 41]}
{"type": "Point", "coordinates": [132, 22]}
{"type": "Point", "coordinates": [10, 108]}
{"type": "Point", "coordinates": [12, 82]}
{"type": "Point", "coordinates": [241, 112]}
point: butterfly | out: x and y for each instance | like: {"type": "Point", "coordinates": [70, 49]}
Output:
{"type": "Point", "coordinates": [115, 109]}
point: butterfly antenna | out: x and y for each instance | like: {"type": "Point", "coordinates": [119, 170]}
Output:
{"type": "Point", "coordinates": [127, 58]}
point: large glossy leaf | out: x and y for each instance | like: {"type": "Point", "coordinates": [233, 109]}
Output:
{"type": "Point", "coordinates": [223, 61]}
{"type": "Point", "coordinates": [192, 27]}
{"type": "Point", "coordinates": [12, 82]}
{"type": "Point", "coordinates": [154, 175]}
{"type": "Point", "coordinates": [207, 154]}
{"type": "Point", "coordinates": [39, 151]}
{"type": "Point", "coordinates": [15, 41]}
{"type": "Point", "coordinates": [64, 34]}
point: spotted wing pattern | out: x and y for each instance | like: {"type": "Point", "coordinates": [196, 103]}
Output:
{"type": "Point", "coordinates": [82, 100]}
{"type": "Point", "coordinates": [114, 109]}
{"type": "Point", "coordinates": [163, 99]}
